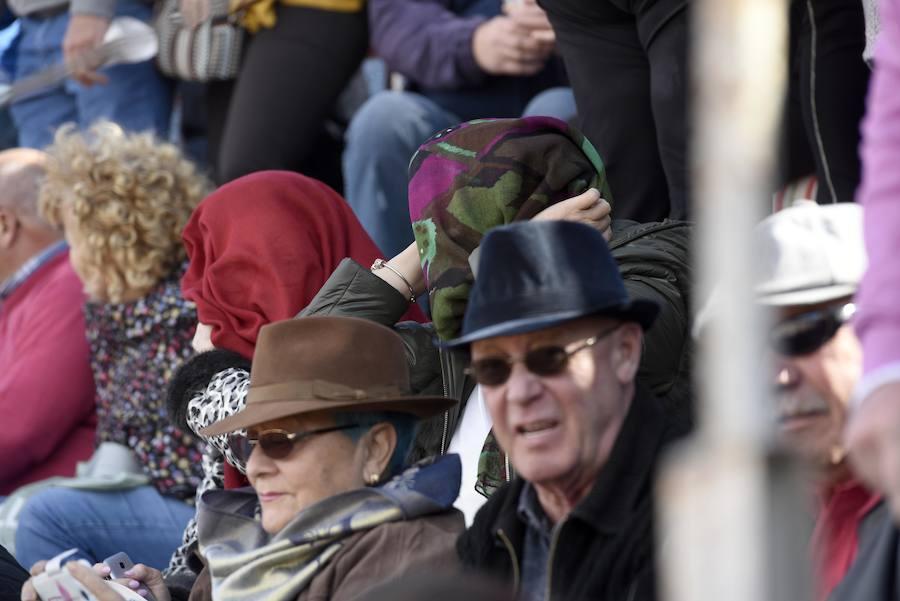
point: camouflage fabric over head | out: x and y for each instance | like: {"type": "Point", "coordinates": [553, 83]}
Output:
{"type": "Point", "coordinates": [483, 174]}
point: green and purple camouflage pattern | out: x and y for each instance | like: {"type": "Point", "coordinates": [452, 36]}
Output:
{"type": "Point", "coordinates": [483, 174]}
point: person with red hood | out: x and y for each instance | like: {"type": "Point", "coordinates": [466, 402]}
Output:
{"type": "Point", "coordinates": [249, 268]}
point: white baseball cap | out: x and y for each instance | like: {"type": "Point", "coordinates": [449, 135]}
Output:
{"type": "Point", "coordinates": [810, 254]}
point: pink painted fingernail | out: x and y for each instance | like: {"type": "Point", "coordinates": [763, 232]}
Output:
{"type": "Point", "coordinates": [134, 584]}
{"type": "Point", "coordinates": [143, 592]}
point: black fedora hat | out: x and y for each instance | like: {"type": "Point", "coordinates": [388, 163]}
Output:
{"type": "Point", "coordinates": [538, 274]}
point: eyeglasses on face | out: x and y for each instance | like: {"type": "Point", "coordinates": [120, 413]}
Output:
{"type": "Point", "coordinates": [276, 444]}
{"type": "Point", "coordinates": [808, 332]}
{"type": "Point", "coordinates": [542, 361]}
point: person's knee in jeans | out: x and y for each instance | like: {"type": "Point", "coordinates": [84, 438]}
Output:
{"type": "Point", "coordinates": [553, 102]}
{"type": "Point", "coordinates": [381, 139]}
{"type": "Point", "coordinates": [40, 534]}
{"type": "Point", "coordinates": [389, 127]}
{"type": "Point", "coordinates": [139, 521]}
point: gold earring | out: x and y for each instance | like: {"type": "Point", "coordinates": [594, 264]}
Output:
{"type": "Point", "coordinates": [372, 479]}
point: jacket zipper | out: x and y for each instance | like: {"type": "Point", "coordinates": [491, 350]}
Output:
{"type": "Point", "coordinates": [553, 540]}
{"type": "Point", "coordinates": [444, 375]}
{"type": "Point", "coordinates": [512, 557]}
{"type": "Point", "coordinates": [444, 434]}
{"type": "Point", "coordinates": [446, 417]}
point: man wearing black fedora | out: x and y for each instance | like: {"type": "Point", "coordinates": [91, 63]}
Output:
{"type": "Point", "coordinates": [555, 343]}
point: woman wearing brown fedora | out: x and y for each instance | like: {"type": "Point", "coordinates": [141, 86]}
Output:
{"type": "Point", "coordinates": [334, 510]}
{"type": "Point", "coordinates": [298, 232]}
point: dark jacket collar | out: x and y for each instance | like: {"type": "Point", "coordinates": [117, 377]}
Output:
{"type": "Point", "coordinates": [624, 478]}
{"type": "Point", "coordinates": [621, 482]}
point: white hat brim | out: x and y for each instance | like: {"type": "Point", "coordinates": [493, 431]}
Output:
{"type": "Point", "coordinates": [811, 296]}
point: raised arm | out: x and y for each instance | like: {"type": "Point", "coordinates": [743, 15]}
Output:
{"type": "Point", "coordinates": [873, 435]}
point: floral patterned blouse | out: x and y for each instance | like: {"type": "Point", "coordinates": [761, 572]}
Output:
{"type": "Point", "coordinates": [135, 349]}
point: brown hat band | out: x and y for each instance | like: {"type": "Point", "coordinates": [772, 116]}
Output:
{"type": "Point", "coordinates": [320, 389]}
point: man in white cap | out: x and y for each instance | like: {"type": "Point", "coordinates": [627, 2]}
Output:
{"type": "Point", "coordinates": [812, 259]}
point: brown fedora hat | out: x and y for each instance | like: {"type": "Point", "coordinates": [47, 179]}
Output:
{"type": "Point", "coordinates": [324, 364]}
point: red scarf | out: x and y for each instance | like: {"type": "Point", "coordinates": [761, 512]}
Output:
{"type": "Point", "coordinates": [260, 248]}
{"type": "Point", "coordinates": [835, 538]}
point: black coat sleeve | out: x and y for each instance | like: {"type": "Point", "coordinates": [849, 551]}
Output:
{"type": "Point", "coordinates": [354, 291]}
{"type": "Point", "coordinates": [655, 263]}
{"type": "Point", "coordinates": [12, 576]}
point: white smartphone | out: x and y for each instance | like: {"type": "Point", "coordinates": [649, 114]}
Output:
{"type": "Point", "coordinates": [119, 564]}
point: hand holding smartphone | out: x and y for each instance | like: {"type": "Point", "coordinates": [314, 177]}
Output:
{"type": "Point", "coordinates": [57, 582]}
{"type": "Point", "coordinates": [120, 563]}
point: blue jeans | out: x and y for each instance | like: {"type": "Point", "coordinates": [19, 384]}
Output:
{"type": "Point", "coordinates": [139, 521]}
{"type": "Point", "coordinates": [136, 97]}
{"type": "Point", "coordinates": [382, 137]}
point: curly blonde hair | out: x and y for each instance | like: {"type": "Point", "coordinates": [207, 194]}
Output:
{"type": "Point", "coordinates": [123, 199]}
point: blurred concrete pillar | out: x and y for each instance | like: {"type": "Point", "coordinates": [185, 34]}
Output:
{"type": "Point", "coordinates": [732, 526]}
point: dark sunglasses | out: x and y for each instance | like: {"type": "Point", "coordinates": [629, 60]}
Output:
{"type": "Point", "coordinates": [276, 444]}
{"type": "Point", "coordinates": [808, 332]}
{"type": "Point", "coordinates": [543, 361]}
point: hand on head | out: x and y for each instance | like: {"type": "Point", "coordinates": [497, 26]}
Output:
{"type": "Point", "coordinates": [587, 208]}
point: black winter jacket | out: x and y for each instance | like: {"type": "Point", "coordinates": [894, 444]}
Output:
{"type": "Point", "coordinates": [12, 576]}
{"type": "Point", "coordinates": [603, 551]}
{"type": "Point", "coordinates": [655, 264]}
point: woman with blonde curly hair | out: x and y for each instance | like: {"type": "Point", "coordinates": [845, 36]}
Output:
{"type": "Point", "coordinates": [122, 200]}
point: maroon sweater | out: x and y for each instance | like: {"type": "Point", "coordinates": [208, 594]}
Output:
{"type": "Point", "coordinates": [47, 413]}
